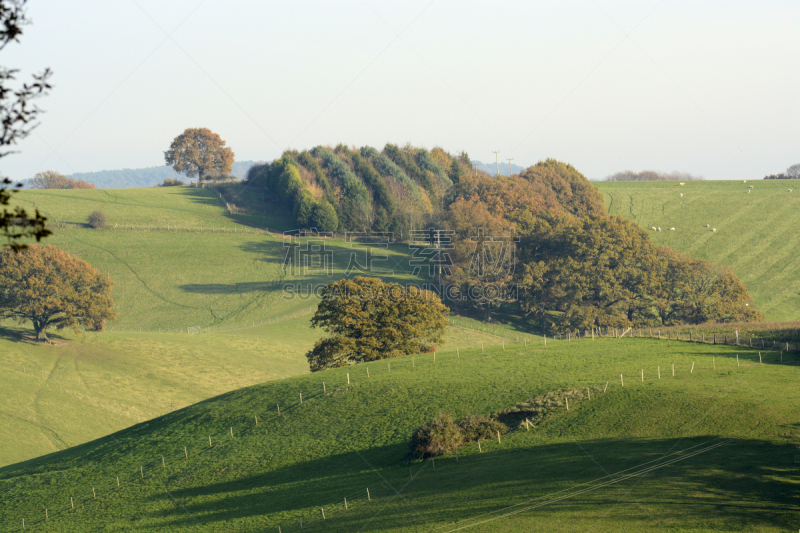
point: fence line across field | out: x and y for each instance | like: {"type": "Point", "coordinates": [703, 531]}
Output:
{"type": "Point", "coordinates": [232, 432]}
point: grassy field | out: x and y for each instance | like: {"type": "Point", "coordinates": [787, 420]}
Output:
{"type": "Point", "coordinates": [756, 232]}
{"type": "Point", "coordinates": [86, 386]}
{"type": "Point", "coordinates": [713, 448]}
{"type": "Point", "coordinates": [186, 262]}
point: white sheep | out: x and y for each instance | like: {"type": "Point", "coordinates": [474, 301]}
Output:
{"type": "Point", "coordinates": [790, 190]}
{"type": "Point", "coordinates": [681, 195]}
{"type": "Point", "coordinates": [653, 228]}
{"type": "Point", "coordinates": [659, 229]}
{"type": "Point", "coordinates": [713, 229]}
{"type": "Point", "coordinates": [708, 225]}
{"type": "Point", "coordinates": [748, 191]}
{"type": "Point", "coordinates": [745, 181]}
{"type": "Point", "coordinates": [682, 184]}
{"type": "Point", "coordinates": [672, 229]}
{"type": "Point", "coordinates": [751, 186]}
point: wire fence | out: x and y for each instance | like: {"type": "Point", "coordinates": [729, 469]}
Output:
{"type": "Point", "coordinates": [244, 423]}
{"type": "Point", "coordinates": [686, 336]}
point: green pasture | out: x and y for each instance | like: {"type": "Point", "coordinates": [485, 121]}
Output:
{"type": "Point", "coordinates": [179, 260]}
{"type": "Point", "coordinates": [713, 448]}
{"type": "Point", "coordinates": [756, 232]}
{"type": "Point", "coordinates": [86, 386]}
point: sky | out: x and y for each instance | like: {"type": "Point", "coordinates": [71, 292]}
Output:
{"type": "Point", "coordinates": [710, 88]}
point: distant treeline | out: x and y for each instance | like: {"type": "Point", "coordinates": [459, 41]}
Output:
{"type": "Point", "coordinates": [652, 175]}
{"type": "Point", "coordinates": [351, 189]}
{"type": "Point", "coordinates": [792, 173]}
{"type": "Point", "coordinates": [130, 178]}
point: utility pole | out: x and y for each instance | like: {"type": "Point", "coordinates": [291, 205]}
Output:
{"type": "Point", "coordinates": [497, 161]}
{"type": "Point", "coordinates": [510, 159]}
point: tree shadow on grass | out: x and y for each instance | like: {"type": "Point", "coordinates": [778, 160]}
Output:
{"type": "Point", "coordinates": [736, 485]}
{"type": "Point", "coordinates": [20, 334]}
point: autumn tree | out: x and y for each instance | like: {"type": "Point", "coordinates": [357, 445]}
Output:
{"type": "Point", "coordinates": [694, 291]}
{"type": "Point", "coordinates": [592, 271]}
{"type": "Point", "coordinates": [370, 320]}
{"type": "Point", "coordinates": [50, 179]}
{"type": "Point", "coordinates": [18, 114]}
{"type": "Point", "coordinates": [53, 290]}
{"type": "Point", "coordinates": [201, 153]}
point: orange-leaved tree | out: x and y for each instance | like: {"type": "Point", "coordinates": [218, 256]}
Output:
{"type": "Point", "coordinates": [53, 290]}
{"type": "Point", "coordinates": [200, 152]}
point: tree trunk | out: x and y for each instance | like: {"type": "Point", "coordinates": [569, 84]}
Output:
{"type": "Point", "coordinates": [41, 332]}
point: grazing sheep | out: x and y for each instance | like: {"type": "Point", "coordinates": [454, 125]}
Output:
{"type": "Point", "coordinates": [681, 184]}
{"type": "Point", "coordinates": [659, 229]}
{"type": "Point", "coordinates": [751, 186]}
{"type": "Point", "coordinates": [653, 228]}
{"type": "Point", "coordinates": [708, 225]}
{"type": "Point", "coordinates": [713, 229]}
{"type": "Point", "coordinates": [748, 191]}
{"type": "Point", "coordinates": [745, 181]}
{"type": "Point", "coordinates": [681, 195]}
{"type": "Point", "coordinates": [790, 190]}
{"type": "Point", "coordinates": [672, 229]}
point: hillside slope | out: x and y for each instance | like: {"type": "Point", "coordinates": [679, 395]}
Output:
{"type": "Point", "coordinates": [756, 232]}
{"type": "Point", "coordinates": [711, 449]}
{"type": "Point", "coordinates": [178, 259]}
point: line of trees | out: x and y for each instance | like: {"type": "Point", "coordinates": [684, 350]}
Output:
{"type": "Point", "coordinates": [792, 173]}
{"type": "Point", "coordinates": [396, 189]}
{"type": "Point", "coordinates": [50, 179]}
{"type": "Point", "coordinates": [652, 175]}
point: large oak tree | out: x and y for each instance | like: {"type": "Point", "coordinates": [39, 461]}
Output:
{"type": "Point", "coordinates": [53, 290]}
{"type": "Point", "coordinates": [201, 153]}
{"type": "Point", "coordinates": [371, 320]}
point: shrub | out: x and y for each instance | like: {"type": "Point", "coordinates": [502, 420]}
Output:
{"type": "Point", "coordinates": [169, 182]}
{"type": "Point", "coordinates": [441, 435]}
{"type": "Point", "coordinates": [97, 220]}
{"type": "Point", "coordinates": [474, 427]}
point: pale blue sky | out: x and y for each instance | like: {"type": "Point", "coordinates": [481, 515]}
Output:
{"type": "Point", "coordinates": [710, 88]}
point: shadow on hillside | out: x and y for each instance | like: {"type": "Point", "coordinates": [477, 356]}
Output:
{"type": "Point", "coordinates": [260, 215]}
{"type": "Point", "coordinates": [741, 484]}
{"type": "Point", "coordinates": [201, 196]}
{"type": "Point", "coordinates": [18, 334]}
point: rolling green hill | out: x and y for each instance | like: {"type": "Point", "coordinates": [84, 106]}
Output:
{"type": "Point", "coordinates": [178, 259]}
{"type": "Point", "coordinates": [711, 449]}
{"type": "Point", "coordinates": [756, 232]}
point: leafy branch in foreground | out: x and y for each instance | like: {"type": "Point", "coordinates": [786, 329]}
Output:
{"type": "Point", "coordinates": [18, 114]}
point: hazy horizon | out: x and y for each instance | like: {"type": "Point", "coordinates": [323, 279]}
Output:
{"type": "Point", "coordinates": [709, 89]}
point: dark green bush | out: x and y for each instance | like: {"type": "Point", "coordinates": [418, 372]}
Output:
{"type": "Point", "coordinates": [97, 220]}
{"type": "Point", "coordinates": [474, 427]}
{"type": "Point", "coordinates": [443, 434]}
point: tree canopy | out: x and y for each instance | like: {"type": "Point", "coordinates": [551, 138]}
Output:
{"type": "Point", "coordinates": [585, 272]}
{"type": "Point", "coordinates": [53, 290]}
{"type": "Point", "coordinates": [201, 153]}
{"type": "Point", "coordinates": [369, 320]}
